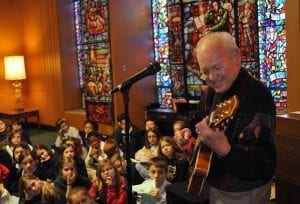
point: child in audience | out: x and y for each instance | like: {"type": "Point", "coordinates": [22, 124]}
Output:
{"type": "Point", "coordinates": [110, 185]}
{"type": "Point", "coordinates": [64, 130]}
{"type": "Point", "coordinates": [5, 197]}
{"type": "Point", "coordinates": [48, 163]}
{"type": "Point", "coordinates": [119, 162]}
{"type": "Point", "coordinates": [17, 125]}
{"type": "Point", "coordinates": [95, 154]}
{"type": "Point", "coordinates": [152, 190]}
{"type": "Point", "coordinates": [14, 139]}
{"type": "Point", "coordinates": [34, 190]}
{"type": "Point", "coordinates": [111, 147]}
{"type": "Point", "coordinates": [79, 195]}
{"type": "Point", "coordinates": [150, 146]}
{"type": "Point", "coordinates": [88, 126]}
{"type": "Point", "coordinates": [149, 151]}
{"type": "Point", "coordinates": [183, 137]}
{"type": "Point", "coordinates": [68, 150]}
{"type": "Point", "coordinates": [176, 159]}
{"type": "Point", "coordinates": [28, 162]}
{"type": "Point", "coordinates": [68, 177]}
{"type": "Point", "coordinates": [80, 149]}
{"type": "Point", "coordinates": [3, 133]}
{"type": "Point", "coordinates": [16, 153]}
{"type": "Point", "coordinates": [150, 124]}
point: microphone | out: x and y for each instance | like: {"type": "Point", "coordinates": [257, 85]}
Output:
{"type": "Point", "coordinates": [152, 68]}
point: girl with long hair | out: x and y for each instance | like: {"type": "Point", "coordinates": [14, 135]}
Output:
{"type": "Point", "coordinates": [177, 160]}
{"type": "Point", "coordinates": [33, 190]}
{"type": "Point", "coordinates": [110, 186]}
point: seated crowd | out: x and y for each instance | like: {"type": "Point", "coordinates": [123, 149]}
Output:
{"type": "Point", "coordinates": [92, 167]}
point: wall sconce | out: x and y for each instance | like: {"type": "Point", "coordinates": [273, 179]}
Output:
{"type": "Point", "coordinates": [15, 70]}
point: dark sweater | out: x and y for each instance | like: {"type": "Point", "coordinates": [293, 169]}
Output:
{"type": "Point", "coordinates": [252, 158]}
{"type": "Point", "coordinates": [80, 181]}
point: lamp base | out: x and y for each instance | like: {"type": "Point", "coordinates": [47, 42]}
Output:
{"type": "Point", "coordinates": [18, 97]}
{"type": "Point", "coordinates": [19, 106]}
{"type": "Point", "coordinates": [19, 109]}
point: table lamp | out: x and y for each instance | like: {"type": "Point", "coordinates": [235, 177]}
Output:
{"type": "Point", "coordinates": [15, 70]}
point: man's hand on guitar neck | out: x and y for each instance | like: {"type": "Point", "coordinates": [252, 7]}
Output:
{"type": "Point", "coordinates": [214, 138]}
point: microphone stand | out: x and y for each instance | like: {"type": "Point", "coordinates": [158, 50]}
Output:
{"type": "Point", "coordinates": [125, 93]}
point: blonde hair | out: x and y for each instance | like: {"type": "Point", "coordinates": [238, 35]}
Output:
{"type": "Point", "coordinates": [48, 192]}
{"type": "Point", "coordinates": [75, 191]}
{"type": "Point", "coordinates": [100, 182]}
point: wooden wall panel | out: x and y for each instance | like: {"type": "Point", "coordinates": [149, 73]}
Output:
{"type": "Point", "coordinates": [11, 43]}
{"type": "Point", "coordinates": [41, 45]}
{"type": "Point", "coordinates": [132, 51]}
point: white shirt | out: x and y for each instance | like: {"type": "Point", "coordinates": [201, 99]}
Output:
{"type": "Point", "coordinates": [72, 132]}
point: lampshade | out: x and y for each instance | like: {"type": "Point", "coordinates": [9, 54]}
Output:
{"type": "Point", "coordinates": [14, 68]}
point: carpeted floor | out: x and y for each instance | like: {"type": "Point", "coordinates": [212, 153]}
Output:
{"type": "Point", "coordinates": [42, 137]}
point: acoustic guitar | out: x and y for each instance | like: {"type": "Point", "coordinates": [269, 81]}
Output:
{"type": "Point", "coordinates": [200, 162]}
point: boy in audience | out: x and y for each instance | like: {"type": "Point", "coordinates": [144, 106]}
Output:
{"type": "Point", "coordinates": [152, 190]}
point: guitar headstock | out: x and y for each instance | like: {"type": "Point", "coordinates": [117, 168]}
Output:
{"type": "Point", "coordinates": [224, 112]}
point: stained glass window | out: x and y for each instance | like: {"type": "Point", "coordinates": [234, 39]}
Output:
{"type": "Point", "coordinates": [93, 48]}
{"type": "Point", "coordinates": [93, 54]}
{"type": "Point", "coordinates": [272, 52]}
{"type": "Point", "coordinates": [257, 25]}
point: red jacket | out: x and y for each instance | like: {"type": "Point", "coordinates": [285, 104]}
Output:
{"type": "Point", "coordinates": [114, 194]}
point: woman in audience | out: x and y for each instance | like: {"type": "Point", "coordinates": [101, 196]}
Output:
{"type": "Point", "coordinates": [48, 163]}
{"type": "Point", "coordinates": [68, 177]}
{"type": "Point", "coordinates": [35, 191]}
{"type": "Point", "coordinates": [110, 185]}
{"type": "Point", "coordinates": [176, 159]}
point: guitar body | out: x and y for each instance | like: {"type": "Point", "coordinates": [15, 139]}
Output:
{"type": "Point", "coordinates": [200, 171]}
{"type": "Point", "coordinates": [200, 164]}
